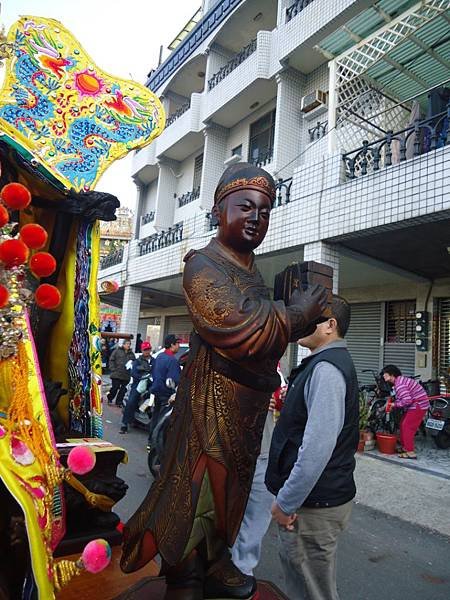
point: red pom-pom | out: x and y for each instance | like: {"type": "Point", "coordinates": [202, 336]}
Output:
{"type": "Point", "coordinates": [47, 296]}
{"type": "Point", "coordinates": [96, 556]}
{"type": "Point", "coordinates": [4, 216]}
{"type": "Point", "coordinates": [34, 236]}
{"type": "Point", "coordinates": [4, 296]}
{"type": "Point", "coordinates": [13, 253]}
{"type": "Point", "coordinates": [16, 196]}
{"type": "Point", "coordinates": [42, 264]}
{"type": "Point", "coordinates": [81, 460]}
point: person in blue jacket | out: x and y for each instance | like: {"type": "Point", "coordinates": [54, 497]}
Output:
{"type": "Point", "coordinates": [166, 376]}
{"type": "Point", "coordinates": [142, 367]}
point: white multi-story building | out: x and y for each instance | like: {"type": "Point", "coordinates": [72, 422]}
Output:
{"type": "Point", "coordinates": [345, 103]}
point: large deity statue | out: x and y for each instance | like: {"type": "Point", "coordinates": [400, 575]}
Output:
{"type": "Point", "coordinates": [193, 511]}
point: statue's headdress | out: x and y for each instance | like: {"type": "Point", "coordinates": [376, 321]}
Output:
{"type": "Point", "coordinates": [244, 176]}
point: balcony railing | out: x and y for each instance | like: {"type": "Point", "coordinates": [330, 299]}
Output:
{"type": "Point", "coordinates": [189, 197]}
{"type": "Point", "coordinates": [263, 158]}
{"type": "Point", "coordinates": [318, 131]}
{"type": "Point", "coordinates": [148, 218]}
{"type": "Point", "coordinates": [177, 114]}
{"type": "Point", "coordinates": [231, 65]}
{"type": "Point", "coordinates": [204, 28]}
{"type": "Point", "coordinates": [115, 258]}
{"type": "Point", "coordinates": [417, 139]}
{"type": "Point", "coordinates": [283, 192]}
{"type": "Point", "coordinates": [296, 9]}
{"type": "Point", "coordinates": [162, 239]}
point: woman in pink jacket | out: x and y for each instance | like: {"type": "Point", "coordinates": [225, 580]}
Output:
{"type": "Point", "coordinates": [412, 397]}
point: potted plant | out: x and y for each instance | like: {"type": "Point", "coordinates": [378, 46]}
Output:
{"type": "Point", "coordinates": [363, 421]}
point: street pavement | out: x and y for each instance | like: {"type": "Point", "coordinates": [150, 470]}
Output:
{"type": "Point", "coordinates": [397, 546]}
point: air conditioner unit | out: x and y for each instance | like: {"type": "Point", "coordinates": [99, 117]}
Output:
{"type": "Point", "coordinates": [313, 100]}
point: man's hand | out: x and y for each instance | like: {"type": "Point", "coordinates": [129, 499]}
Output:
{"type": "Point", "coordinates": [286, 521]}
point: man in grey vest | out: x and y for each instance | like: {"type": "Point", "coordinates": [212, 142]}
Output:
{"type": "Point", "coordinates": [311, 459]}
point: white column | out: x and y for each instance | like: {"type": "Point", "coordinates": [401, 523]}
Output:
{"type": "Point", "coordinates": [213, 162]}
{"type": "Point", "coordinates": [131, 309]}
{"type": "Point", "coordinates": [165, 195]}
{"type": "Point", "coordinates": [217, 57]}
{"type": "Point", "coordinates": [282, 6]}
{"type": "Point", "coordinates": [327, 254]}
{"type": "Point", "coordinates": [140, 190]}
{"type": "Point", "coordinates": [332, 109]}
{"type": "Point", "coordinates": [288, 122]}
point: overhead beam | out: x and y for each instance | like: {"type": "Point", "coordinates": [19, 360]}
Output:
{"type": "Point", "coordinates": [354, 36]}
{"type": "Point", "coordinates": [406, 72]}
{"type": "Point", "coordinates": [430, 52]}
{"type": "Point", "coordinates": [380, 264]}
{"type": "Point", "coordinates": [383, 14]}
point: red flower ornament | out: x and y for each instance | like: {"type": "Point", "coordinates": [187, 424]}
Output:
{"type": "Point", "coordinates": [13, 253]}
{"type": "Point", "coordinates": [4, 296]}
{"type": "Point", "coordinates": [34, 236]}
{"type": "Point", "coordinates": [16, 196]}
{"type": "Point", "coordinates": [4, 215]}
{"type": "Point", "coordinates": [47, 296]}
{"type": "Point", "coordinates": [42, 264]}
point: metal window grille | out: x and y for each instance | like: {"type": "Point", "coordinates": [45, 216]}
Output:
{"type": "Point", "coordinates": [262, 133]}
{"type": "Point", "coordinates": [400, 322]}
{"type": "Point", "coordinates": [198, 166]}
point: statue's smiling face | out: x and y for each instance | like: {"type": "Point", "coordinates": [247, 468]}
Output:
{"type": "Point", "coordinates": [243, 217]}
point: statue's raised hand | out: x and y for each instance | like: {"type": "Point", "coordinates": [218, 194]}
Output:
{"type": "Point", "coordinates": [306, 308]}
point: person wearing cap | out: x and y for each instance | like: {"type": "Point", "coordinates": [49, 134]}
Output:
{"type": "Point", "coordinates": [141, 367]}
{"type": "Point", "coordinates": [193, 511]}
{"type": "Point", "coordinates": [166, 370]}
{"type": "Point", "coordinates": [120, 375]}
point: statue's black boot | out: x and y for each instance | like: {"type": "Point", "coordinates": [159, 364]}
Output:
{"type": "Point", "coordinates": [185, 580]}
{"type": "Point", "coordinates": [224, 580]}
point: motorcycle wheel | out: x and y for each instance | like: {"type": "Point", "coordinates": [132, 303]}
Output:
{"type": "Point", "coordinates": [153, 462]}
{"type": "Point", "coordinates": [442, 440]}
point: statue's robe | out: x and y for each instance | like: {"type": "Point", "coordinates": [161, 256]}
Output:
{"type": "Point", "coordinates": [214, 436]}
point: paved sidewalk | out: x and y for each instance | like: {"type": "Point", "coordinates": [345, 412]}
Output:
{"type": "Point", "coordinates": [403, 492]}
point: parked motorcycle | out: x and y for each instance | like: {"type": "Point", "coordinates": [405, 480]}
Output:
{"type": "Point", "coordinates": [438, 421]}
{"type": "Point", "coordinates": [157, 440]}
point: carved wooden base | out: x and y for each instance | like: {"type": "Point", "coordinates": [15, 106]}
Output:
{"type": "Point", "coordinates": [108, 584]}
{"type": "Point", "coordinates": [154, 589]}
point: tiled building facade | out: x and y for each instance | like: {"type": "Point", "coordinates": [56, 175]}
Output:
{"type": "Point", "coordinates": [362, 185]}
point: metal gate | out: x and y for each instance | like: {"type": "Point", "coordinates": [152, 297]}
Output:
{"type": "Point", "coordinates": [364, 337]}
{"type": "Point", "coordinates": [402, 356]}
{"type": "Point", "coordinates": [180, 325]}
{"type": "Point", "coordinates": [444, 336]}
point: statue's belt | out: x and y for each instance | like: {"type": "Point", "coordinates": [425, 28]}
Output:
{"type": "Point", "coordinates": [235, 372]}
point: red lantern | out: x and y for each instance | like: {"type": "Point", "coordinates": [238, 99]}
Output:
{"type": "Point", "coordinates": [16, 196]}
{"type": "Point", "coordinates": [34, 236]}
{"type": "Point", "coordinates": [13, 253]}
{"type": "Point", "coordinates": [4, 296]}
{"type": "Point", "coordinates": [42, 264]}
{"type": "Point", "coordinates": [47, 296]}
{"type": "Point", "coordinates": [4, 216]}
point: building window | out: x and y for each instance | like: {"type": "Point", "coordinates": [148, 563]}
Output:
{"type": "Point", "coordinates": [401, 322]}
{"type": "Point", "coordinates": [262, 134]}
{"type": "Point", "coordinates": [237, 151]}
{"type": "Point", "coordinates": [198, 166]}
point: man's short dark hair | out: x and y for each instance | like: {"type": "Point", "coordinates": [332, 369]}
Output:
{"type": "Point", "coordinates": [170, 339]}
{"type": "Point", "coordinates": [340, 309]}
{"type": "Point", "coordinates": [391, 370]}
